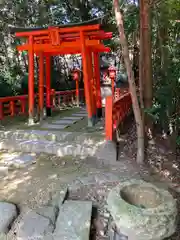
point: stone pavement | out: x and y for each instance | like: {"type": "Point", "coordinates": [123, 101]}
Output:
{"type": "Point", "coordinates": [61, 219]}
{"type": "Point", "coordinates": [53, 137]}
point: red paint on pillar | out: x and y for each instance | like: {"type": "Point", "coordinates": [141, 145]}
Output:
{"type": "Point", "coordinates": [77, 91]}
{"type": "Point", "coordinates": [92, 82]}
{"type": "Point", "coordinates": [31, 79]}
{"type": "Point", "coordinates": [109, 118]}
{"type": "Point", "coordinates": [41, 84]}
{"type": "Point", "coordinates": [86, 77]}
{"type": "Point", "coordinates": [48, 81]}
{"type": "Point", "coordinates": [97, 77]}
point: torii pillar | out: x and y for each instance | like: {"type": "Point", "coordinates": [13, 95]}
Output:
{"type": "Point", "coordinates": [31, 82]}
{"type": "Point", "coordinates": [87, 86]}
{"type": "Point", "coordinates": [92, 82]}
{"type": "Point", "coordinates": [98, 85]}
{"type": "Point", "coordinates": [41, 86]}
{"type": "Point", "coordinates": [48, 86]}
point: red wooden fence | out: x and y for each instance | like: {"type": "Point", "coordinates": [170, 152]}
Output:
{"type": "Point", "coordinates": [18, 105]}
{"type": "Point", "coordinates": [116, 110]}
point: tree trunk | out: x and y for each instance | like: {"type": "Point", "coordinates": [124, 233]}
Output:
{"type": "Point", "coordinates": [132, 86]}
{"type": "Point", "coordinates": [146, 62]}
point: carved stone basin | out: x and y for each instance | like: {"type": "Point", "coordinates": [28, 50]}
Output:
{"type": "Point", "coordinates": [142, 211]}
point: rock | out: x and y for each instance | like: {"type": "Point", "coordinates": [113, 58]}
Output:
{"type": "Point", "coordinates": [8, 213]}
{"type": "Point", "coordinates": [73, 222]}
{"type": "Point", "coordinates": [59, 197]}
{"type": "Point", "coordinates": [3, 171]}
{"type": "Point", "coordinates": [48, 212]}
{"type": "Point", "coordinates": [142, 211]}
{"type": "Point", "coordinates": [33, 226]}
{"type": "Point", "coordinates": [18, 160]}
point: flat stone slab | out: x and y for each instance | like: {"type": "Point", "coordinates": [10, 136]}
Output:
{"type": "Point", "coordinates": [17, 159]}
{"type": "Point", "coordinates": [8, 213]}
{"type": "Point", "coordinates": [54, 126]}
{"type": "Point", "coordinates": [64, 121]}
{"type": "Point", "coordinates": [73, 221]}
{"type": "Point", "coordinates": [75, 118]}
{"type": "Point", "coordinates": [49, 212]}
{"type": "Point", "coordinates": [79, 114]}
{"type": "Point", "coordinates": [32, 226]}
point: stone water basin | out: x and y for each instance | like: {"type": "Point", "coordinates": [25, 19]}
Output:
{"type": "Point", "coordinates": [141, 211]}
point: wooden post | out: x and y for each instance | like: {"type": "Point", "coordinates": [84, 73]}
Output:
{"type": "Point", "coordinates": [98, 85]}
{"type": "Point", "coordinates": [77, 92]}
{"type": "Point", "coordinates": [92, 84]}
{"type": "Point", "coordinates": [76, 76]}
{"type": "Point", "coordinates": [109, 118]}
{"type": "Point", "coordinates": [31, 82]}
{"type": "Point", "coordinates": [41, 86]}
{"type": "Point", "coordinates": [86, 80]}
{"type": "Point", "coordinates": [48, 86]}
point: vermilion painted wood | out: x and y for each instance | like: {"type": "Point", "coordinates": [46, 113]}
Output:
{"type": "Point", "coordinates": [31, 78]}
{"type": "Point", "coordinates": [71, 40]}
{"type": "Point", "coordinates": [41, 82]}
{"type": "Point", "coordinates": [73, 37]}
{"type": "Point", "coordinates": [91, 81]}
{"type": "Point", "coordinates": [48, 46]}
{"type": "Point", "coordinates": [97, 77]}
{"type": "Point", "coordinates": [18, 105]}
{"type": "Point", "coordinates": [99, 48]}
{"type": "Point", "coordinates": [116, 111]}
{"type": "Point", "coordinates": [109, 118]}
{"type": "Point", "coordinates": [86, 76]}
{"type": "Point", "coordinates": [48, 81]}
{"type": "Point", "coordinates": [60, 30]}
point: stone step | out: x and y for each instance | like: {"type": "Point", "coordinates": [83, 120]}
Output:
{"type": "Point", "coordinates": [73, 221]}
{"type": "Point", "coordinates": [69, 148]}
{"type": "Point", "coordinates": [44, 135]}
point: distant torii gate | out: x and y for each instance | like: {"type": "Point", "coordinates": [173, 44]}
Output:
{"type": "Point", "coordinates": [84, 38]}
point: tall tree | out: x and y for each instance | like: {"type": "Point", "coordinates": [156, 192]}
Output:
{"type": "Point", "coordinates": [132, 85]}
{"type": "Point", "coordinates": [146, 84]}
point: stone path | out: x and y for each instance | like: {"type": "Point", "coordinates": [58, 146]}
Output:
{"type": "Point", "coordinates": [74, 221]}
{"type": "Point", "coordinates": [65, 122]}
{"type": "Point", "coordinates": [58, 220]}
{"type": "Point", "coordinates": [52, 139]}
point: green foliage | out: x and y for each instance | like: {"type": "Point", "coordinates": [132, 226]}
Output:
{"type": "Point", "coordinates": [166, 67]}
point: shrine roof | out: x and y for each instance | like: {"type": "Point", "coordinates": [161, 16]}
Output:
{"type": "Point", "coordinates": [102, 21]}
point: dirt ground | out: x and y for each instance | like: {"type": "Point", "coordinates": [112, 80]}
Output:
{"type": "Point", "coordinates": [35, 185]}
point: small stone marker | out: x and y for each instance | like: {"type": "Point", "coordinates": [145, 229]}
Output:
{"type": "Point", "coordinates": [64, 121]}
{"type": "Point", "coordinates": [33, 226]}
{"type": "Point", "coordinates": [73, 222]}
{"type": "Point", "coordinates": [53, 126]}
{"type": "Point", "coordinates": [8, 213]}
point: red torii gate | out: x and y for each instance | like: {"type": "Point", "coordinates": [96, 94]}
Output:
{"type": "Point", "coordinates": [84, 38]}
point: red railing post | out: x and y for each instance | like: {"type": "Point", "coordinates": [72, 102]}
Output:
{"type": "Point", "coordinates": [109, 118]}
{"type": "Point", "coordinates": [12, 110]}
{"type": "Point", "coordinates": [23, 106]}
